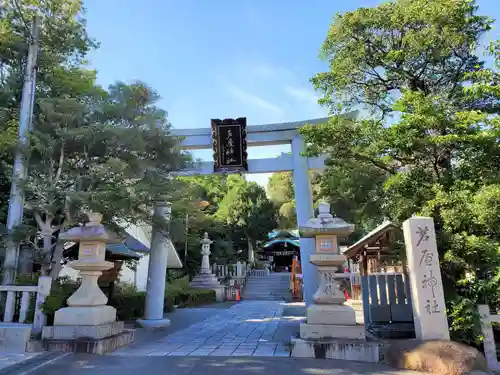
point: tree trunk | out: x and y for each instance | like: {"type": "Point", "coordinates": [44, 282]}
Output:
{"type": "Point", "coordinates": [46, 252]}
{"type": "Point", "coordinates": [251, 256]}
{"type": "Point", "coordinates": [25, 261]}
{"type": "Point", "coordinates": [56, 261]}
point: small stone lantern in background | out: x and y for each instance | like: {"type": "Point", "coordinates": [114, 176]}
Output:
{"type": "Point", "coordinates": [206, 279]}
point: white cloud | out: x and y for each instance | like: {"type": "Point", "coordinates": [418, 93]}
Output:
{"type": "Point", "coordinates": [268, 92]}
{"type": "Point", "coordinates": [307, 98]}
{"type": "Point", "coordinates": [273, 72]}
{"type": "Point", "coordinates": [302, 94]}
{"type": "Point", "coordinates": [256, 100]}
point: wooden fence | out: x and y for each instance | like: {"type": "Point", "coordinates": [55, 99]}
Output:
{"type": "Point", "coordinates": [260, 273]}
{"type": "Point", "coordinates": [236, 270]}
{"type": "Point", "coordinates": [386, 298]}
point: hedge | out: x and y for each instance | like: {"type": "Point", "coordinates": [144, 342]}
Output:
{"type": "Point", "coordinates": [128, 301]}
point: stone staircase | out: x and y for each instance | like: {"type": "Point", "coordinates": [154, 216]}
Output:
{"type": "Point", "coordinates": [275, 287]}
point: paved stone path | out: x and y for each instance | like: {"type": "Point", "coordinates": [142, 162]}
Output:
{"type": "Point", "coordinates": [247, 338]}
{"type": "Point", "coordinates": [250, 328]}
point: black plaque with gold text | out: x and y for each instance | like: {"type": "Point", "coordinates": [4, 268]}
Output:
{"type": "Point", "coordinates": [229, 140]}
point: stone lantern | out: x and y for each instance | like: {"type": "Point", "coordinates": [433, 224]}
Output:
{"type": "Point", "coordinates": [88, 318]}
{"type": "Point", "coordinates": [329, 317]}
{"type": "Point", "coordinates": [206, 279]}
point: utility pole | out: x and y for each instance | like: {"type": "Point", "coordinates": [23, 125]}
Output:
{"type": "Point", "coordinates": [16, 201]}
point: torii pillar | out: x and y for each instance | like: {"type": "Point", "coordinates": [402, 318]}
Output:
{"type": "Point", "coordinates": [305, 211]}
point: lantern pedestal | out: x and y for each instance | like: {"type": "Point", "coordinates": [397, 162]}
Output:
{"type": "Point", "coordinates": [329, 317]}
{"type": "Point", "coordinates": [87, 324]}
{"type": "Point", "coordinates": [87, 306]}
{"type": "Point", "coordinates": [89, 315]}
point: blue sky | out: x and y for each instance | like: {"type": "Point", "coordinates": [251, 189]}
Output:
{"type": "Point", "coordinates": [221, 58]}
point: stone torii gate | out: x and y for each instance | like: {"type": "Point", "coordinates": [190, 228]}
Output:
{"type": "Point", "coordinates": [268, 135]}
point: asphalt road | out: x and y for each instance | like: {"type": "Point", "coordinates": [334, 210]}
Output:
{"type": "Point", "coordinates": [116, 365]}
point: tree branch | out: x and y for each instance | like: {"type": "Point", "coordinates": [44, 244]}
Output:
{"type": "Point", "coordinates": [377, 164]}
{"type": "Point", "coordinates": [59, 166]}
{"type": "Point", "coordinates": [33, 244]}
{"type": "Point", "coordinates": [39, 220]}
{"type": "Point", "coordinates": [56, 228]}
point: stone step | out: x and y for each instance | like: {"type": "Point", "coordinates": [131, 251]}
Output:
{"type": "Point", "coordinates": [264, 293]}
{"type": "Point", "coordinates": [279, 282]}
{"type": "Point", "coordinates": [257, 293]}
{"type": "Point", "coordinates": [272, 298]}
{"type": "Point", "coordinates": [251, 293]}
{"type": "Point", "coordinates": [254, 295]}
{"type": "Point", "coordinates": [275, 287]}
{"type": "Point", "coordinates": [269, 278]}
{"type": "Point", "coordinates": [267, 287]}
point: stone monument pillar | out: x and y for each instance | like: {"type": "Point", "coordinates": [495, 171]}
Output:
{"type": "Point", "coordinates": [429, 309]}
{"type": "Point", "coordinates": [329, 317]}
{"type": "Point", "coordinates": [88, 324]}
{"type": "Point", "coordinates": [157, 270]}
{"type": "Point", "coordinates": [206, 279]}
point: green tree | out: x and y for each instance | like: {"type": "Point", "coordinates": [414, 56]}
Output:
{"type": "Point", "coordinates": [281, 193]}
{"type": "Point", "coordinates": [280, 188]}
{"type": "Point", "coordinates": [426, 140]}
{"type": "Point", "coordinates": [63, 43]}
{"type": "Point", "coordinates": [191, 205]}
{"type": "Point", "coordinates": [108, 152]}
{"type": "Point", "coordinates": [247, 209]}
{"type": "Point", "coordinates": [212, 189]}
{"type": "Point", "coordinates": [355, 191]}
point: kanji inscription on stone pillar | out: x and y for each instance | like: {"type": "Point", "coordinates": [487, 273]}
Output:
{"type": "Point", "coordinates": [429, 309]}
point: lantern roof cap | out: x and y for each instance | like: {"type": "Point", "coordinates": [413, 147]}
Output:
{"type": "Point", "coordinates": [205, 240]}
{"type": "Point", "coordinates": [326, 223]}
{"type": "Point", "coordinates": [93, 230]}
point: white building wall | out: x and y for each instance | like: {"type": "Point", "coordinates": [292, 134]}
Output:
{"type": "Point", "coordinates": [139, 278]}
{"type": "Point", "coordinates": [67, 271]}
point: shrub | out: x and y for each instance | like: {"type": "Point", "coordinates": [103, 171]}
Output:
{"type": "Point", "coordinates": [189, 297]}
{"type": "Point", "coordinates": [258, 265]}
{"type": "Point", "coordinates": [62, 289]}
{"type": "Point", "coordinates": [179, 293]}
{"type": "Point", "coordinates": [128, 301]}
{"type": "Point", "coordinates": [29, 279]}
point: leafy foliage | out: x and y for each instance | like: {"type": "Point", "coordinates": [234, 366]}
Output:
{"type": "Point", "coordinates": [92, 149]}
{"type": "Point", "coordinates": [247, 209]}
{"type": "Point", "coordinates": [425, 139]}
{"type": "Point", "coordinates": [281, 193]}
